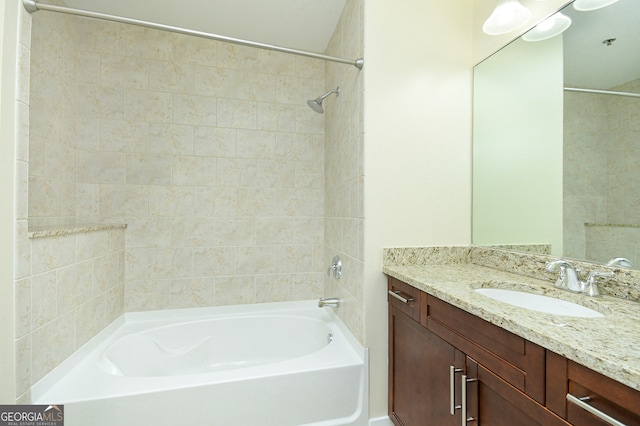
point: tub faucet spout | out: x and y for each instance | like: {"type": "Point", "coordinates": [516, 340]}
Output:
{"type": "Point", "coordinates": [334, 302]}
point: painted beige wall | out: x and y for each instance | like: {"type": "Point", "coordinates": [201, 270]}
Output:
{"type": "Point", "coordinates": [417, 157]}
{"type": "Point", "coordinates": [8, 65]}
{"type": "Point", "coordinates": [485, 45]}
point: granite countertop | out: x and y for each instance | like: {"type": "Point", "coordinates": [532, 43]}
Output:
{"type": "Point", "coordinates": [609, 345]}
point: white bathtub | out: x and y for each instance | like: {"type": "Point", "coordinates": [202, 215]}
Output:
{"type": "Point", "coordinates": [256, 365]}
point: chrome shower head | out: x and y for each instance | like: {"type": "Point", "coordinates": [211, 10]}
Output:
{"type": "Point", "coordinates": [316, 104]}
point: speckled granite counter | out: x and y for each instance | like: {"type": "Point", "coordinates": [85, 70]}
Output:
{"type": "Point", "coordinates": [609, 345]}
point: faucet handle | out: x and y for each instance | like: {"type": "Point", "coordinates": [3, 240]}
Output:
{"type": "Point", "coordinates": [335, 267]}
{"type": "Point", "coordinates": [591, 286]}
{"type": "Point", "coordinates": [554, 266]}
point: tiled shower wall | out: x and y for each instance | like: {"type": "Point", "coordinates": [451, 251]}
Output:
{"type": "Point", "coordinates": [67, 287]}
{"type": "Point", "coordinates": [209, 154]}
{"type": "Point", "coordinates": [601, 158]}
{"type": "Point", "coordinates": [344, 169]}
{"type": "Point", "coordinates": [206, 150]}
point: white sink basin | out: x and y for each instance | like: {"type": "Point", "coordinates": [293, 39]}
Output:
{"type": "Point", "coordinates": [540, 303]}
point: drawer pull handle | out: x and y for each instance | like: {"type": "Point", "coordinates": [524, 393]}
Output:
{"type": "Point", "coordinates": [400, 296]}
{"type": "Point", "coordinates": [463, 402]}
{"type": "Point", "coordinates": [580, 402]}
{"type": "Point", "coordinates": [452, 389]}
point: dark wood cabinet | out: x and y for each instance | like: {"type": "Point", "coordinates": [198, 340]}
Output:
{"type": "Point", "coordinates": [445, 363]}
{"type": "Point", "coordinates": [419, 374]}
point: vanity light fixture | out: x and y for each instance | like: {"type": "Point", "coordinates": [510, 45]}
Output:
{"type": "Point", "coordinates": [587, 5]}
{"type": "Point", "coordinates": [550, 27]}
{"type": "Point", "coordinates": [506, 17]}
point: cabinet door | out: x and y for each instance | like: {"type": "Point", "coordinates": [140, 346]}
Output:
{"type": "Point", "coordinates": [419, 374]}
{"type": "Point", "coordinates": [492, 401]}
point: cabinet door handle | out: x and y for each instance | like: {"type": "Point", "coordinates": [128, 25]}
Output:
{"type": "Point", "coordinates": [463, 401]}
{"type": "Point", "coordinates": [452, 389]}
{"type": "Point", "coordinates": [400, 296]}
{"type": "Point", "coordinates": [580, 402]}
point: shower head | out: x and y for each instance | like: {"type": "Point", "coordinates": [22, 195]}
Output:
{"type": "Point", "coordinates": [316, 104]}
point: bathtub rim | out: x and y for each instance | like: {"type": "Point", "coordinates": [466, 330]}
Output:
{"type": "Point", "coordinates": [41, 388]}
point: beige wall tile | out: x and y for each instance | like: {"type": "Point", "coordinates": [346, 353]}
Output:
{"type": "Point", "coordinates": [90, 319]}
{"type": "Point", "coordinates": [147, 43]}
{"type": "Point", "coordinates": [124, 136]}
{"type": "Point", "coordinates": [148, 106]}
{"type": "Point", "coordinates": [101, 167]}
{"type": "Point", "coordinates": [215, 201]}
{"type": "Point", "coordinates": [234, 290]}
{"type": "Point", "coordinates": [101, 101]}
{"type": "Point", "coordinates": [172, 201]}
{"type": "Point", "coordinates": [237, 113]}
{"type": "Point", "coordinates": [214, 261]}
{"type": "Point", "coordinates": [148, 169]}
{"type": "Point", "coordinates": [255, 260]}
{"type": "Point", "coordinates": [274, 288]}
{"type": "Point", "coordinates": [148, 232]}
{"type": "Point", "coordinates": [172, 77]}
{"type": "Point", "coordinates": [124, 71]}
{"type": "Point", "coordinates": [52, 253]}
{"type": "Point", "coordinates": [55, 342]}
{"type": "Point", "coordinates": [215, 142]}
{"type": "Point", "coordinates": [43, 299]}
{"type": "Point", "coordinates": [194, 50]}
{"type": "Point", "coordinates": [212, 81]}
{"type": "Point", "coordinates": [74, 286]}
{"type": "Point", "coordinates": [124, 200]}
{"type": "Point", "coordinates": [194, 171]}
{"type": "Point", "coordinates": [195, 110]}
{"type": "Point", "coordinates": [23, 364]}
{"type": "Point", "coordinates": [24, 308]}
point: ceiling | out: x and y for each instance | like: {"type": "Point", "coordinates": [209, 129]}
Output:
{"type": "Point", "coordinates": [296, 24]}
{"type": "Point", "coordinates": [591, 64]}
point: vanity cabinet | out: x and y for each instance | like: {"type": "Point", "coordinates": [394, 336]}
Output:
{"type": "Point", "coordinates": [446, 364]}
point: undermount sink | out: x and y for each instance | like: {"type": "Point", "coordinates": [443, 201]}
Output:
{"type": "Point", "coordinates": [540, 303]}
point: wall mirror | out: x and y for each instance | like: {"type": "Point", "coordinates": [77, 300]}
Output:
{"type": "Point", "coordinates": [557, 169]}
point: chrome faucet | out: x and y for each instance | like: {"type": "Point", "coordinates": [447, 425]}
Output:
{"type": "Point", "coordinates": [334, 302]}
{"type": "Point", "coordinates": [567, 275]}
{"type": "Point", "coordinates": [569, 278]}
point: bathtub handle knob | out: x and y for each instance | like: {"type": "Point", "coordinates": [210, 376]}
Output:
{"type": "Point", "coordinates": [336, 267]}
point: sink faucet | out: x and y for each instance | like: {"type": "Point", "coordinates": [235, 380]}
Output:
{"type": "Point", "coordinates": [569, 278]}
{"type": "Point", "coordinates": [334, 302]}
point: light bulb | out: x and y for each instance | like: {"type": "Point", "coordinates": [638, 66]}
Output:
{"type": "Point", "coordinates": [550, 27]}
{"type": "Point", "coordinates": [587, 5]}
{"type": "Point", "coordinates": [507, 16]}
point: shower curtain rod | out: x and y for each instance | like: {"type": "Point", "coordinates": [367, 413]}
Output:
{"type": "Point", "coordinates": [602, 92]}
{"type": "Point", "coordinates": [32, 6]}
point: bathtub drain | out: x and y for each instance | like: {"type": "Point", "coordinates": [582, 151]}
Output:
{"type": "Point", "coordinates": [329, 338]}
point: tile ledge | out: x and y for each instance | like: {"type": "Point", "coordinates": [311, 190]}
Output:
{"type": "Point", "coordinates": [54, 231]}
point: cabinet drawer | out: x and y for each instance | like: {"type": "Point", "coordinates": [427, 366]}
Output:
{"type": "Point", "coordinates": [605, 395]}
{"type": "Point", "coordinates": [405, 297]}
{"type": "Point", "coordinates": [514, 359]}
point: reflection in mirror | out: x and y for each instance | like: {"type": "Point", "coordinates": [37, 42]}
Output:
{"type": "Point", "coordinates": [559, 170]}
